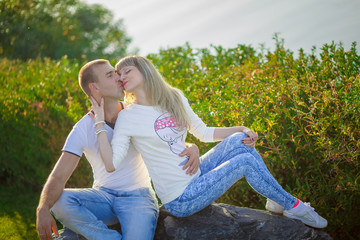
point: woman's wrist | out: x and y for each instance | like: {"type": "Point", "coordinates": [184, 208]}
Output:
{"type": "Point", "coordinates": [100, 130]}
{"type": "Point", "coordinates": [99, 125]}
{"type": "Point", "coordinates": [242, 128]}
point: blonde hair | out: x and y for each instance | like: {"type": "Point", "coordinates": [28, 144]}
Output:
{"type": "Point", "coordinates": [158, 91]}
{"type": "Point", "coordinates": [87, 74]}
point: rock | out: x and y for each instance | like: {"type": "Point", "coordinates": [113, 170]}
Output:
{"type": "Point", "coordinates": [67, 234]}
{"type": "Point", "coordinates": [222, 221]}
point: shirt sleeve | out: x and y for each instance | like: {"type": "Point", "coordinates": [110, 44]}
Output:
{"type": "Point", "coordinates": [197, 127]}
{"type": "Point", "coordinates": [75, 141]}
{"type": "Point", "coordinates": [121, 141]}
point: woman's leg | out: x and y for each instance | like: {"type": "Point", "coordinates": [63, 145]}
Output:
{"type": "Point", "coordinates": [221, 167]}
{"type": "Point", "coordinates": [229, 148]}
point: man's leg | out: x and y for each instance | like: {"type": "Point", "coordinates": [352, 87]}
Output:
{"type": "Point", "coordinates": [87, 212]}
{"type": "Point", "coordinates": [137, 212]}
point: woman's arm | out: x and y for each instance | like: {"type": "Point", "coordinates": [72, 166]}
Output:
{"type": "Point", "coordinates": [105, 148]}
{"type": "Point", "coordinates": [196, 126]}
{"type": "Point", "coordinates": [221, 133]}
{"type": "Point", "coordinates": [207, 134]}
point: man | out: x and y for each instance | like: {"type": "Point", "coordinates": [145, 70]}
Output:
{"type": "Point", "coordinates": [123, 196]}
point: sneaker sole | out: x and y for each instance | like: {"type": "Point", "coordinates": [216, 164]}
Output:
{"type": "Point", "coordinates": [274, 209]}
{"type": "Point", "coordinates": [312, 224]}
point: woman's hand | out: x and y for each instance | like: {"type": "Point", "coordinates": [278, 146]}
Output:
{"type": "Point", "coordinates": [250, 141]}
{"type": "Point", "coordinates": [98, 109]}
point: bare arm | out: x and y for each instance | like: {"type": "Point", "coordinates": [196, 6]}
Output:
{"type": "Point", "coordinates": [221, 133]}
{"type": "Point", "coordinates": [105, 148]}
{"type": "Point", "coordinates": [192, 165]}
{"type": "Point", "coordinates": [51, 193]}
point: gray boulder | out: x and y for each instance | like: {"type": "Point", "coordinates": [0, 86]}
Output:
{"type": "Point", "coordinates": [223, 221]}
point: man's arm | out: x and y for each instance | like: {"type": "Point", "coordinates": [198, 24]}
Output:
{"type": "Point", "coordinates": [51, 192]}
{"type": "Point", "coordinates": [192, 165]}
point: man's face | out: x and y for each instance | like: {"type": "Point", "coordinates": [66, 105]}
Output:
{"type": "Point", "coordinates": [109, 81]}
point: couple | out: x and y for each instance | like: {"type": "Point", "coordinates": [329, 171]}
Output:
{"type": "Point", "coordinates": [155, 123]}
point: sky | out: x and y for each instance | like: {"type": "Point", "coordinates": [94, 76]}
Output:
{"type": "Point", "coordinates": [162, 24]}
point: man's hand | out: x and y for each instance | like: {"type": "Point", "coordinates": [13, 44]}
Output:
{"type": "Point", "coordinates": [251, 140]}
{"type": "Point", "coordinates": [51, 192]}
{"type": "Point", "coordinates": [192, 165]}
{"type": "Point", "coordinates": [44, 223]}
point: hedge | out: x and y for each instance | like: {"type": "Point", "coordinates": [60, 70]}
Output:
{"type": "Point", "coordinates": [305, 110]}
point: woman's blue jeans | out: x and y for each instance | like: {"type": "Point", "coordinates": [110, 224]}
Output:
{"type": "Point", "coordinates": [89, 211]}
{"type": "Point", "coordinates": [220, 168]}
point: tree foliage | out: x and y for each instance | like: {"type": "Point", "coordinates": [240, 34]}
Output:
{"type": "Point", "coordinates": [54, 28]}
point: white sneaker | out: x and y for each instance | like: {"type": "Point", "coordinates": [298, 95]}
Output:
{"type": "Point", "coordinates": [274, 207]}
{"type": "Point", "coordinates": [305, 213]}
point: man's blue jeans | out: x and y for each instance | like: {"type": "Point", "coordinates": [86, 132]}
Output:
{"type": "Point", "coordinates": [221, 167]}
{"type": "Point", "coordinates": [89, 211]}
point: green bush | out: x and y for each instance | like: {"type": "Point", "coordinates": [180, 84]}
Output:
{"type": "Point", "coordinates": [40, 101]}
{"type": "Point", "coordinates": [305, 110]}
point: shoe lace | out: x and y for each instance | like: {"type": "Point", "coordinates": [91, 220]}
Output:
{"type": "Point", "coordinates": [308, 204]}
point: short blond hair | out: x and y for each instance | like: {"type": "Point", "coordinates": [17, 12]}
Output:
{"type": "Point", "coordinates": [87, 74]}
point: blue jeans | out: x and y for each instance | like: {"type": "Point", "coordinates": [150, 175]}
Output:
{"type": "Point", "coordinates": [220, 168]}
{"type": "Point", "coordinates": [89, 211]}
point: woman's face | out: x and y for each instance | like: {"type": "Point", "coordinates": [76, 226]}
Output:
{"type": "Point", "coordinates": [132, 79]}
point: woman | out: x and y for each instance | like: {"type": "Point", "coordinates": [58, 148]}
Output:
{"type": "Point", "coordinates": [156, 122]}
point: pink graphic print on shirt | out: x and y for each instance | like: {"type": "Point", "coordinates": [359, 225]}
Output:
{"type": "Point", "coordinates": [166, 128]}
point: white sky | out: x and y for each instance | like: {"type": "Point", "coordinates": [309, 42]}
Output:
{"type": "Point", "coordinates": [155, 24]}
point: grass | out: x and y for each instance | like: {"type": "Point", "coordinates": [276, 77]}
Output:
{"type": "Point", "coordinates": [18, 213]}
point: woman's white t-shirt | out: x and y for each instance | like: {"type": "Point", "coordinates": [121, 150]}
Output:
{"type": "Point", "coordinates": [155, 135]}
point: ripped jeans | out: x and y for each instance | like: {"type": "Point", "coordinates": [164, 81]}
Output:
{"type": "Point", "coordinates": [221, 167]}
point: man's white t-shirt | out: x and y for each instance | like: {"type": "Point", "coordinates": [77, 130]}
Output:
{"type": "Point", "coordinates": [131, 174]}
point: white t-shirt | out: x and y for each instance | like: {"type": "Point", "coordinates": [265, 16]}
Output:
{"type": "Point", "coordinates": [131, 174]}
{"type": "Point", "coordinates": [155, 136]}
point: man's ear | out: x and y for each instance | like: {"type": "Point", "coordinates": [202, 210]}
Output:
{"type": "Point", "coordinates": [93, 87]}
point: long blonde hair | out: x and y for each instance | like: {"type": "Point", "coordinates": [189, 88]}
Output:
{"type": "Point", "coordinates": [158, 91]}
